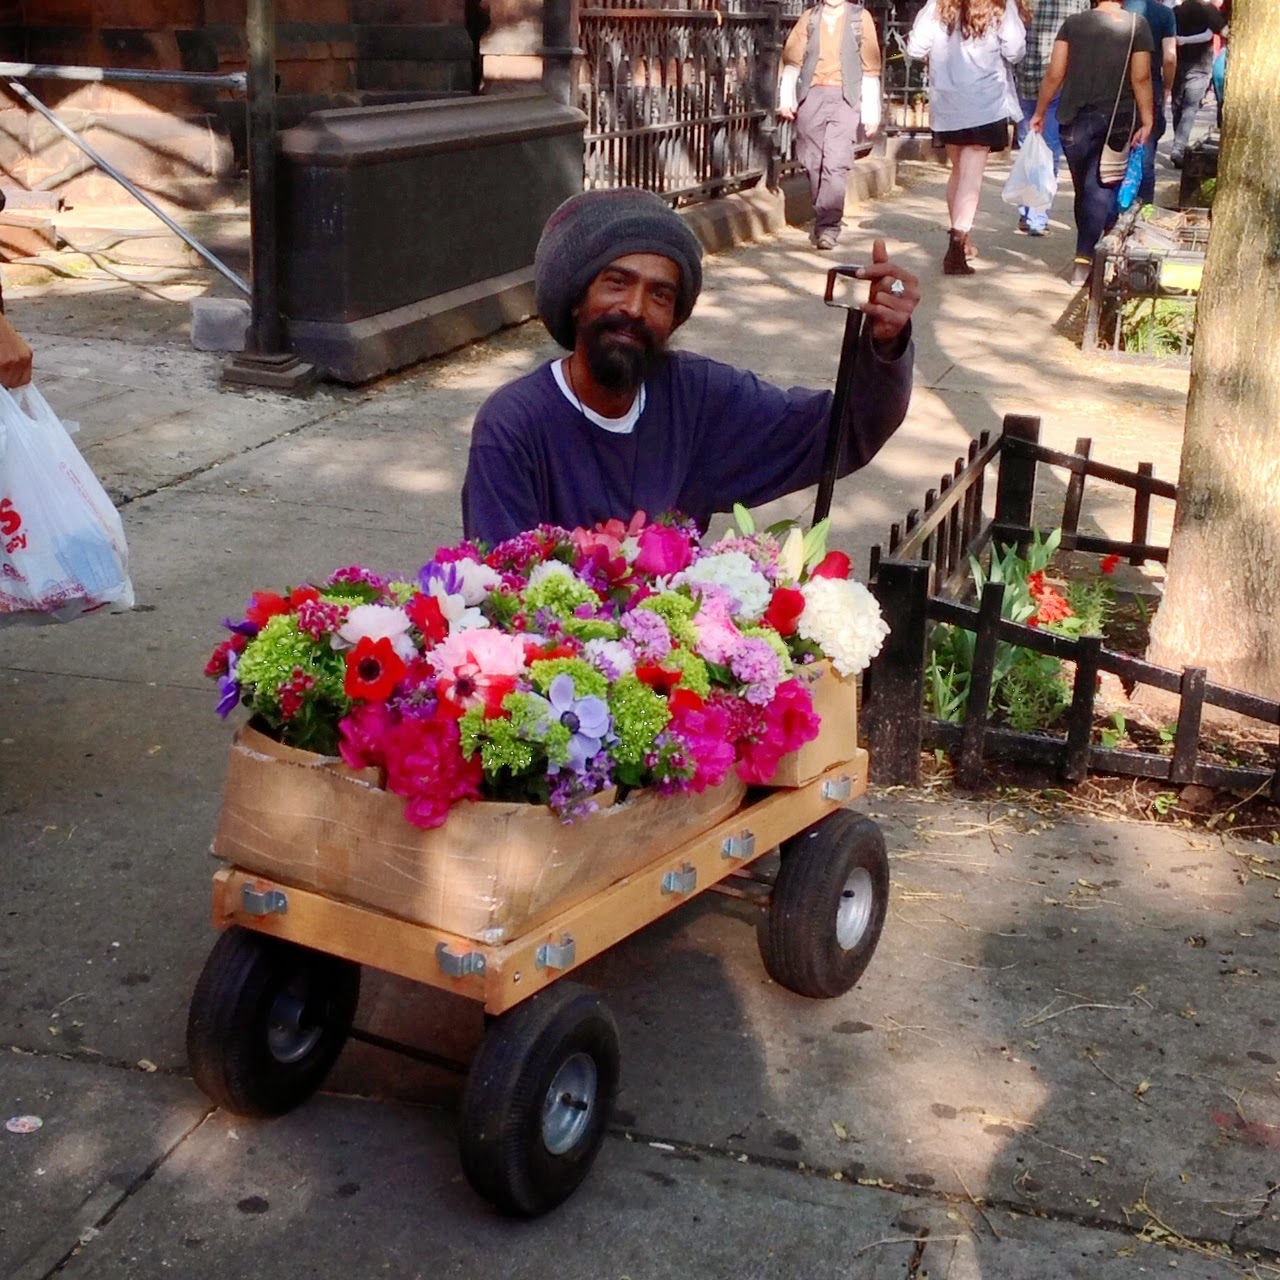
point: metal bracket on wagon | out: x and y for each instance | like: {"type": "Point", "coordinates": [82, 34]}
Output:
{"type": "Point", "coordinates": [459, 966]}
{"type": "Point", "coordinates": [680, 881]}
{"type": "Point", "coordinates": [840, 788]}
{"type": "Point", "coordinates": [556, 955]}
{"type": "Point", "coordinates": [741, 846]}
{"type": "Point", "coordinates": [262, 902]}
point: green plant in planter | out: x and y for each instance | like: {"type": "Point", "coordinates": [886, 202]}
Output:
{"type": "Point", "coordinates": [1028, 689]}
{"type": "Point", "coordinates": [1157, 326]}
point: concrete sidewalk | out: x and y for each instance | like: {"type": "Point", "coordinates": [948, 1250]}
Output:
{"type": "Point", "coordinates": [1070, 1021]}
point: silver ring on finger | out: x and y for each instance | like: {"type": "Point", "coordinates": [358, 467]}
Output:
{"type": "Point", "coordinates": [897, 288]}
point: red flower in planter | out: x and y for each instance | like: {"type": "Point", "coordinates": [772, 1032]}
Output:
{"type": "Point", "coordinates": [373, 670]}
{"type": "Point", "coordinates": [785, 607]}
{"type": "Point", "coordinates": [1109, 563]}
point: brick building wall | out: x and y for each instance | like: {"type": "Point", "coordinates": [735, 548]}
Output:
{"type": "Point", "coordinates": [183, 145]}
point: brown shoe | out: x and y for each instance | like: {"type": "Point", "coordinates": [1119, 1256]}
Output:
{"type": "Point", "coordinates": [956, 263]}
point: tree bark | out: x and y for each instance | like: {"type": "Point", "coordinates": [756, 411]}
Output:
{"type": "Point", "coordinates": [1222, 603]}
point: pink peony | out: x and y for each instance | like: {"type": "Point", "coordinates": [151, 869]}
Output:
{"type": "Point", "coordinates": [477, 667]}
{"type": "Point", "coordinates": [364, 733]}
{"type": "Point", "coordinates": [426, 766]}
{"type": "Point", "coordinates": [610, 534]}
{"type": "Point", "coordinates": [789, 722]}
{"type": "Point", "coordinates": [705, 730]}
{"type": "Point", "coordinates": [663, 550]}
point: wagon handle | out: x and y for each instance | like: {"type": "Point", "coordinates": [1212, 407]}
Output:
{"type": "Point", "coordinates": [844, 375]}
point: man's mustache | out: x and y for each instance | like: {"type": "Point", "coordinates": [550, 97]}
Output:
{"type": "Point", "coordinates": [623, 324]}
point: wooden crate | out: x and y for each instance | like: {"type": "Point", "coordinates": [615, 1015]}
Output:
{"type": "Point", "coordinates": [494, 870]}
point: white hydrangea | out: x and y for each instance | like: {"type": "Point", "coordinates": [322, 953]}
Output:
{"type": "Point", "coordinates": [376, 622]}
{"type": "Point", "coordinates": [736, 572]}
{"type": "Point", "coordinates": [843, 619]}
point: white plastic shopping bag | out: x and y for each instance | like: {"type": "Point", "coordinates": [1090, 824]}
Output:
{"type": "Point", "coordinates": [1033, 180]}
{"type": "Point", "coordinates": [62, 546]}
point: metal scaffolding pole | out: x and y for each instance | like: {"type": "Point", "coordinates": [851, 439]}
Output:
{"type": "Point", "coordinates": [264, 364]}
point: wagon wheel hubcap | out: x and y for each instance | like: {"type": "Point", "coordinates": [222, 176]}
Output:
{"type": "Point", "coordinates": [570, 1104]}
{"type": "Point", "coordinates": [290, 1035]}
{"type": "Point", "coordinates": [857, 901]}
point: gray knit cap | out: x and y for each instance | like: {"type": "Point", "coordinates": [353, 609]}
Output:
{"type": "Point", "coordinates": [591, 230]}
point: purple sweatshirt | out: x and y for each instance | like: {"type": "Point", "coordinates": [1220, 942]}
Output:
{"type": "Point", "coordinates": [710, 435]}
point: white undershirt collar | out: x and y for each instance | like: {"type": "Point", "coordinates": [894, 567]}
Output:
{"type": "Point", "coordinates": [622, 426]}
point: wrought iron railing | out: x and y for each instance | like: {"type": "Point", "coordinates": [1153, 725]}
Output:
{"type": "Point", "coordinates": [675, 97]}
{"type": "Point", "coordinates": [681, 95]}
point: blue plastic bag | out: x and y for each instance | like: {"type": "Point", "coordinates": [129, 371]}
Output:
{"type": "Point", "coordinates": [1132, 179]}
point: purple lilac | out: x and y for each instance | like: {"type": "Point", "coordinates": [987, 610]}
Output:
{"type": "Point", "coordinates": [646, 635]}
{"type": "Point", "coordinates": [757, 665]}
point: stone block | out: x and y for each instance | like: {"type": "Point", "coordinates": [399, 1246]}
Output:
{"type": "Point", "coordinates": [219, 324]}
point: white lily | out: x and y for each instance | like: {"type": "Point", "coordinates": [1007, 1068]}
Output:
{"type": "Point", "coordinates": [791, 556]}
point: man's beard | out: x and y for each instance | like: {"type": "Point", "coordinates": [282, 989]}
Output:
{"type": "Point", "coordinates": [615, 366]}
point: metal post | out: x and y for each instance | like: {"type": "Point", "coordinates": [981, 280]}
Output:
{"type": "Point", "coordinates": [264, 364]}
{"type": "Point", "coordinates": [559, 49]}
{"type": "Point", "coordinates": [766, 89]}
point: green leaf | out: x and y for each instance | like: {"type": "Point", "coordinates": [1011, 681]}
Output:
{"type": "Point", "coordinates": [815, 543]}
{"type": "Point", "coordinates": [745, 521]}
{"type": "Point", "coordinates": [781, 527]}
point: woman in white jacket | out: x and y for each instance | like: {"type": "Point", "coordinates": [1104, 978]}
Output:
{"type": "Point", "coordinates": [971, 46]}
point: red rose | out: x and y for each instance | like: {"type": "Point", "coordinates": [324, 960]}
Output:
{"type": "Point", "coordinates": [835, 564]}
{"type": "Point", "coordinates": [1109, 563]}
{"type": "Point", "coordinates": [785, 607]}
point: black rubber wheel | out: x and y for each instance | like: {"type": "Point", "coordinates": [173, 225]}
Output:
{"type": "Point", "coordinates": [268, 1019]}
{"type": "Point", "coordinates": [538, 1099]}
{"type": "Point", "coordinates": [827, 907]}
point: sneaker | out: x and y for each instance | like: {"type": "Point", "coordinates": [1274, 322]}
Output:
{"type": "Point", "coordinates": [1175, 159]}
{"type": "Point", "coordinates": [1081, 270]}
{"type": "Point", "coordinates": [1037, 231]}
{"type": "Point", "coordinates": [827, 239]}
{"type": "Point", "coordinates": [1023, 224]}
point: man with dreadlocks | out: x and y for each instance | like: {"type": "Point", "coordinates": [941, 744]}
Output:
{"type": "Point", "coordinates": [622, 424]}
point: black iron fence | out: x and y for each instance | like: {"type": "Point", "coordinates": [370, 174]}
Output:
{"type": "Point", "coordinates": [681, 95]}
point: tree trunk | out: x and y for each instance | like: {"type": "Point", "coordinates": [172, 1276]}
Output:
{"type": "Point", "coordinates": [1222, 604]}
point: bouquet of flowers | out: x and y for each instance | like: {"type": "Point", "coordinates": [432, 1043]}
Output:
{"type": "Point", "coordinates": [557, 664]}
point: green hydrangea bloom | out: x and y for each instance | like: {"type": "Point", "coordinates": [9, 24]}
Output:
{"type": "Point", "coordinates": [590, 628]}
{"type": "Point", "coordinates": [677, 612]}
{"type": "Point", "coordinates": [587, 681]}
{"type": "Point", "coordinates": [351, 593]}
{"type": "Point", "coordinates": [775, 641]}
{"type": "Point", "coordinates": [694, 674]}
{"type": "Point", "coordinates": [401, 592]}
{"type": "Point", "coordinates": [639, 715]}
{"type": "Point", "coordinates": [561, 593]}
{"type": "Point", "coordinates": [271, 656]}
{"type": "Point", "coordinates": [517, 741]}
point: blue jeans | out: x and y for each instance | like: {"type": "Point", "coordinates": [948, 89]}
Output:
{"type": "Point", "coordinates": [1095, 205]}
{"type": "Point", "coordinates": [1189, 87]}
{"type": "Point", "coordinates": [1038, 219]}
{"type": "Point", "coordinates": [1147, 187]}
